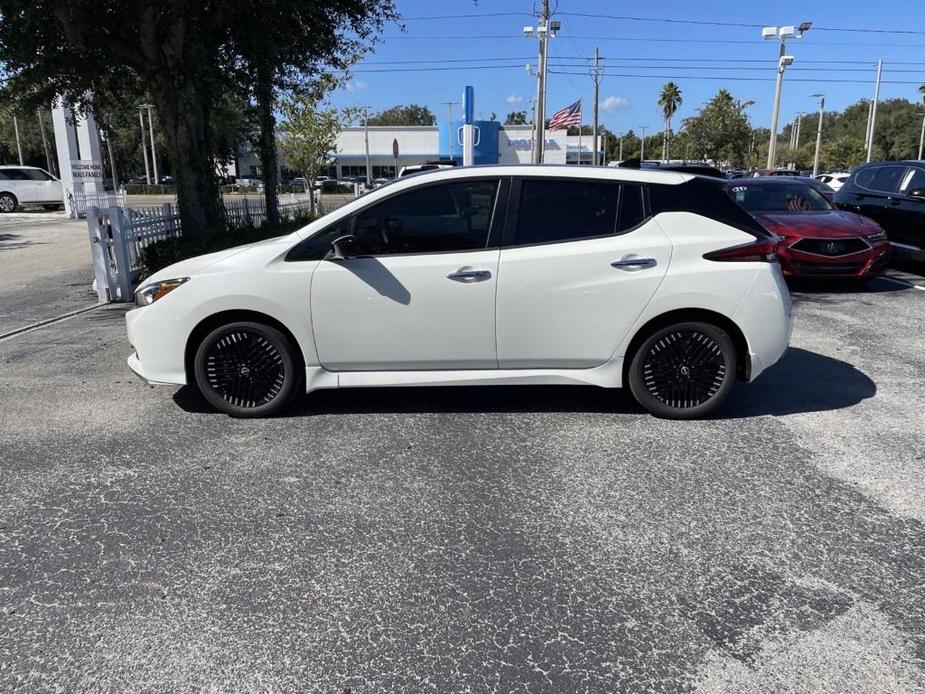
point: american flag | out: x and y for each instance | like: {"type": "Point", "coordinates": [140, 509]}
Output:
{"type": "Point", "coordinates": [570, 115]}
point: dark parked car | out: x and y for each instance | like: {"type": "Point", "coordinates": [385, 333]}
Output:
{"type": "Point", "coordinates": [892, 193]}
{"type": "Point", "coordinates": [693, 167]}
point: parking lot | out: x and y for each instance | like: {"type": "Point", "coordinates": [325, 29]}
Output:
{"type": "Point", "coordinates": [468, 539]}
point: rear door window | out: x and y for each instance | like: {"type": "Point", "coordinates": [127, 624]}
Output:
{"type": "Point", "coordinates": [883, 179]}
{"type": "Point", "coordinates": [915, 180]}
{"type": "Point", "coordinates": [16, 175]}
{"type": "Point", "coordinates": [558, 210]}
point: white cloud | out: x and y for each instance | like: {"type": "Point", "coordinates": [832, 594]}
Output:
{"type": "Point", "coordinates": [614, 103]}
{"type": "Point", "coordinates": [355, 86]}
{"type": "Point", "coordinates": [513, 100]}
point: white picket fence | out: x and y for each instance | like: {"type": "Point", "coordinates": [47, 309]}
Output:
{"type": "Point", "coordinates": [118, 235]}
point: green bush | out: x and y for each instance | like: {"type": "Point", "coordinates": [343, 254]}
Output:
{"type": "Point", "coordinates": [160, 254]}
{"type": "Point", "coordinates": [135, 189]}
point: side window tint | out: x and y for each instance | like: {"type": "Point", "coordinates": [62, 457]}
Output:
{"type": "Point", "coordinates": [632, 213]}
{"type": "Point", "coordinates": [433, 219]}
{"type": "Point", "coordinates": [863, 178]}
{"type": "Point", "coordinates": [916, 180]}
{"type": "Point", "coordinates": [565, 210]}
{"type": "Point", "coordinates": [316, 246]}
{"type": "Point", "coordinates": [37, 175]}
{"type": "Point", "coordinates": [3, 176]}
{"type": "Point", "coordinates": [887, 179]}
{"type": "Point", "coordinates": [16, 175]}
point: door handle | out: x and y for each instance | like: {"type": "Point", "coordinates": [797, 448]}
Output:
{"type": "Point", "coordinates": [469, 276]}
{"type": "Point", "coordinates": [634, 263]}
{"type": "Point", "coordinates": [894, 202]}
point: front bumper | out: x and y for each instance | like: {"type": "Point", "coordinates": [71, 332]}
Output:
{"type": "Point", "coordinates": [159, 349]}
{"type": "Point", "coordinates": [134, 363]}
{"type": "Point", "coordinates": [866, 263]}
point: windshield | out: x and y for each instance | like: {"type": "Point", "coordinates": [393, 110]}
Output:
{"type": "Point", "coordinates": [779, 197]}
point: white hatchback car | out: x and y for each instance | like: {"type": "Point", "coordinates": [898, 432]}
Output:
{"type": "Point", "coordinates": [481, 275]}
{"type": "Point", "coordinates": [28, 185]}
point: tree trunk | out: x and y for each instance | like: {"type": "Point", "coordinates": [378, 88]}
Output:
{"type": "Point", "coordinates": [267, 144]}
{"type": "Point", "coordinates": [184, 111]}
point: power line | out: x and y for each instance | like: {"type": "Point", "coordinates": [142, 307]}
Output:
{"type": "Point", "coordinates": [737, 79]}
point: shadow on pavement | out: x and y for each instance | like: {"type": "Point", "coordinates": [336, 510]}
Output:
{"type": "Point", "coordinates": [800, 288]}
{"type": "Point", "coordinates": [802, 381]}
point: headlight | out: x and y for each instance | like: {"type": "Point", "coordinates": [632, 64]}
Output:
{"type": "Point", "coordinates": [152, 292]}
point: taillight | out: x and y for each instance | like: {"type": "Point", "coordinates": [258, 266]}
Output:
{"type": "Point", "coordinates": [761, 251]}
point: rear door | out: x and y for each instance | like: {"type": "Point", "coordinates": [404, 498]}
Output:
{"type": "Point", "coordinates": [874, 196]}
{"type": "Point", "coordinates": [581, 259]}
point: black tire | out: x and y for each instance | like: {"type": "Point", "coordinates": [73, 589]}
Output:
{"type": "Point", "coordinates": [8, 202]}
{"type": "Point", "coordinates": [683, 371]}
{"type": "Point", "coordinates": [247, 369]}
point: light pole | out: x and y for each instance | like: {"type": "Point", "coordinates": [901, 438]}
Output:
{"type": "Point", "coordinates": [873, 112]}
{"type": "Point", "coordinates": [780, 34]}
{"type": "Point", "coordinates": [821, 98]}
{"type": "Point", "coordinates": [144, 145]}
{"type": "Point", "coordinates": [150, 108]}
{"type": "Point", "coordinates": [642, 147]}
{"type": "Point", "coordinates": [449, 128]}
{"type": "Point", "coordinates": [543, 31]}
{"type": "Point", "coordinates": [922, 136]}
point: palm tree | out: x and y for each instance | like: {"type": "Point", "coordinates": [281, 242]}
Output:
{"type": "Point", "coordinates": [669, 100]}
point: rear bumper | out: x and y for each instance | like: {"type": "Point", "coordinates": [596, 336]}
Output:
{"type": "Point", "coordinates": [765, 316]}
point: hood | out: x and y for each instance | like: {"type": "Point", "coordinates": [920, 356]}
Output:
{"type": "Point", "coordinates": [819, 224]}
{"type": "Point", "coordinates": [192, 266]}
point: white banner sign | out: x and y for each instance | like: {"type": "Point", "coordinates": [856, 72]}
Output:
{"type": "Point", "coordinates": [86, 169]}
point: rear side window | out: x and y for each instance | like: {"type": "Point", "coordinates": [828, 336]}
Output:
{"type": "Point", "coordinates": [16, 175]}
{"type": "Point", "coordinates": [706, 197]}
{"type": "Point", "coordinates": [885, 179]}
{"type": "Point", "coordinates": [916, 180]}
{"type": "Point", "coordinates": [553, 211]}
{"type": "Point", "coordinates": [632, 209]}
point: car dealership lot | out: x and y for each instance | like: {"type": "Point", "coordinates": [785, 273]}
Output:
{"type": "Point", "coordinates": [510, 539]}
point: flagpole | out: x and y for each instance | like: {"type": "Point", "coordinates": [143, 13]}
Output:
{"type": "Point", "coordinates": [579, 130]}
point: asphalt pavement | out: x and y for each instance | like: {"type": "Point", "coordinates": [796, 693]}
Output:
{"type": "Point", "coordinates": [500, 539]}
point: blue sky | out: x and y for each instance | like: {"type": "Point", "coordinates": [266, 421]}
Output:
{"type": "Point", "coordinates": [489, 53]}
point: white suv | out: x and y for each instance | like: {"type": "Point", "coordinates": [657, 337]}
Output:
{"type": "Point", "coordinates": [28, 185]}
{"type": "Point", "coordinates": [481, 275]}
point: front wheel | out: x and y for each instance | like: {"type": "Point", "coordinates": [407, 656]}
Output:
{"type": "Point", "coordinates": [683, 371]}
{"type": "Point", "coordinates": [247, 369]}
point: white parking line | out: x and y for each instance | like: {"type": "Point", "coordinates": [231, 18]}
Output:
{"type": "Point", "coordinates": [904, 283]}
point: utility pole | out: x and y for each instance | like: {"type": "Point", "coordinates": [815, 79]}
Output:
{"type": "Point", "coordinates": [539, 119]}
{"type": "Point", "coordinates": [620, 158]}
{"type": "Point", "coordinates": [49, 162]}
{"type": "Point", "coordinates": [873, 111]}
{"type": "Point", "coordinates": [144, 145]}
{"type": "Point", "coordinates": [449, 128]}
{"type": "Point", "coordinates": [597, 85]}
{"type": "Point", "coordinates": [642, 148]}
{"type": "Point", "coordinates": [18, 143]}
{"type": "Point", "coordinates": [153, 151]}
{"type": "Point", "coordinates": [821, 98]}
{"type": "Point", "coordinates": [369, 167]}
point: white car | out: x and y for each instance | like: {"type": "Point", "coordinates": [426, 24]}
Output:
{"type": "Point", "coordinates": [481, 275]}
{"type": "Point", "coordinates": [834, 180]}
{"type": "Point", "coordinates": [28, 185]}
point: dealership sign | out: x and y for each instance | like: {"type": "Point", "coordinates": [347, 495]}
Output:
{"type": "Point", "coordinates": [86, 170]}
{"type": "Point", "coordinates": [527, 143]}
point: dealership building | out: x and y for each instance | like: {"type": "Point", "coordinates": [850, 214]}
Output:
{"type": "Point", "coordinates": [495, 144]}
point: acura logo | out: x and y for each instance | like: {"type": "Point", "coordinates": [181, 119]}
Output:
{"type": "Point", "coordinates": [833, 247]}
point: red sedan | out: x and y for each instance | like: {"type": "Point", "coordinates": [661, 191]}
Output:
{"type": "Point", "coordinates": [816, 240]}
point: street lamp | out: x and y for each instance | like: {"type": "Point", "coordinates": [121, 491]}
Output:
{"type": "Point", "coordinates": [922, 136]}
{"type": "Point", "coordinates": [821, 98]}
{"type": "Point", "coordinates": [780, 34]}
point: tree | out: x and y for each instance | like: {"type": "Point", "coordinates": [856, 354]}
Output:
{"type": "Point", "coordinates": [516, 118]}
{"type": "Point", "coordinates": [720, 131]}
{"type": "Point", "coordinates": [669, 100]}
{"type": "Point", "coordinates": [413, 114]}
{"type": "Point", "coordinates": [291, 46]}
{"type": "Point", "coordinates": [309, 136]}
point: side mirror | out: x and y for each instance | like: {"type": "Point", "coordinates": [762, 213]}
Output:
{"type": "Point", "coordinates": [918, 193]}
{"type": "Point", "coordinates": [342, 248]}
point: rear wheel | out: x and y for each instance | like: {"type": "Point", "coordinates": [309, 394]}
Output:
{"type": "Point", "coordinates": [247, 369]}
{"type": "Point", "coordinates": [683, 371]}
{"type": "Point", "coordinates": [8, 202]}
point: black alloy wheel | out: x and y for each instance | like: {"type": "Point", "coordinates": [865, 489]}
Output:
{"type": "Point", "coordinates": [683, 371]}
{"type": "Point", "coordinates": [247, 369]}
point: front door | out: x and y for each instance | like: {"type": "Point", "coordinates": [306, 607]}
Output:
{"type": "Point", "coordinates": [911, 209]}
{"type": "Point", "coordinates": [582, 263]}
{"type": "Point", "coordinates": [420, 293]}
